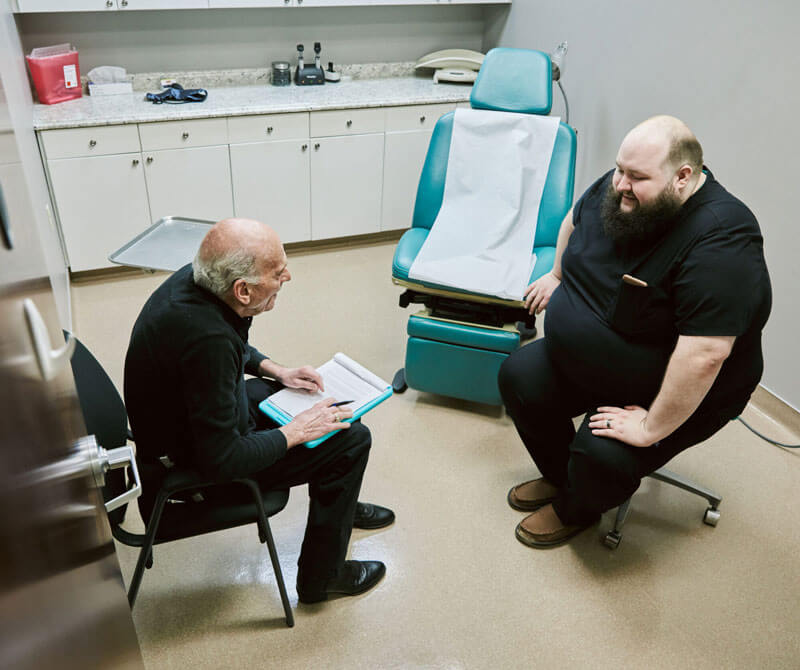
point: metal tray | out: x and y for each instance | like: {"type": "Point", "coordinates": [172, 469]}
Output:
{"type": "Point", "coordinates": [169, 244]}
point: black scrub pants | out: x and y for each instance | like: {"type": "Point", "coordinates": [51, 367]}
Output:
{"type": "Point", "coordinates": [333, 471]}
{"type": "Point", "coordinates": [593, 474]}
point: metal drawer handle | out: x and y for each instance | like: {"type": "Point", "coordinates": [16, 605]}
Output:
{"type": "Point", "coordinates": [349, 123]}
{"type": "Point", "coordinates": [304, 147]}
{"type": "Point", "coordinates": [135, 162]}
{"type": "Point", "coordinates": [149, 160]}
{"type": "Point", "coordinates": [316, 146]}
{"type": "Point", "coordinates": [49, 360]}
{"type": "Point", "coordinates": [185, 136]}
{"type": "Point", "coordinates": [109, 3]}
{"type": "Point", "coordinates": [92, 144]}
{"type": "Point", "coordinates": [124, 3]}
{"type": "Point", "coordinates": [269, 129]}
{"type": "Point", "coordinates": [422, 119]}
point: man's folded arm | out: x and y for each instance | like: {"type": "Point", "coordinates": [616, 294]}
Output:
{"type": "Point", "coordinates": [210, 371]}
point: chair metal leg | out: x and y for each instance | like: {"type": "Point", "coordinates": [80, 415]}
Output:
{"type": "Point", "coordinates": [276, 567]}
{"type": "Point", "coordinates": [146, 552]}
{"type": "Point", "coordinates": [265, 535]}
{"type": "Point", "coordinates": [710, 517]}
{"type": "Point", "coordinates": [614, 536]}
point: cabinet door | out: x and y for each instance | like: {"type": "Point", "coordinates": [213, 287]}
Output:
{"type": "Point", "coordinates": [346, 181]}
{"type": "Point", "coordinates": [249, 3]}
{"type": "Point", "coordinates": [193, 183]}
{"type": "Point", "coordinates": [66, 5]}
{"type": "Point", "coordinates": [162, 4]}
{"type": "Point", "coordinates": [402, 166]}
{"type": "Point", "coordinates": [270, 183]}
{"type": "Point", "coordinates": [102, 204]}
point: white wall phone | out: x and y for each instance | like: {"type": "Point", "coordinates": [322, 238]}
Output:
{"type": "Point", "coordinates": [453, 64]}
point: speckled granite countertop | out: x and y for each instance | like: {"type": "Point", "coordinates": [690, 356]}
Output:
{"type": "Point", "coordinates": [242, 100]}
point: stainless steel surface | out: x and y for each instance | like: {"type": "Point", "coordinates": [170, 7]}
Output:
{"type": "Point", "coordinates": [62, 600]}
{"type": "Point", "coordinates": [49, 360]}
{"type": "Point", "coordinates": [168, 244]}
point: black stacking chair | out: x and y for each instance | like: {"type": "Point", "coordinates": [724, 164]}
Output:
{"type": "Point", "coordinates": [105, 417]}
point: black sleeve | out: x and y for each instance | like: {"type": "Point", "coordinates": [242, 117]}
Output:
{"type": "Point", "coordinates": [714, 293]}
{"type": "Point", "coordinates": [209, 371]}
{"type": "Point", "coordinates": [591, 194]}
{"type": "Point", "coordinates": [251, 367]}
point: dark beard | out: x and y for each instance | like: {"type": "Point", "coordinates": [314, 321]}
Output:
{"type": "Point", "coordinates": [645, 223]}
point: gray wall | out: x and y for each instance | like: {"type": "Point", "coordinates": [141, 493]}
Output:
{"type": "Point", "coordinates": [729, 69]}
{"type": "Point", "coordinates": [156, 41]}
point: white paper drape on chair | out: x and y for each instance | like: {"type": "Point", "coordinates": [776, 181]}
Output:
{"type": "Point", "coordinates": [482, 239]}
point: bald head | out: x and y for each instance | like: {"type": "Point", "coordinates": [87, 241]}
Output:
{"type": "Point", "coordinates": [669, 140]}
{"type": "Point", "coordinates": [236, 249]}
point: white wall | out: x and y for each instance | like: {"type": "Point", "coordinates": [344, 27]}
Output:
{"type": "Point", "coordinates": [162, 41]}
{"type": "Point", "coordinates": [730, 70]}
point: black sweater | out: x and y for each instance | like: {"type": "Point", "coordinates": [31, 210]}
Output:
{"type": "Point", "coordinates": [184, 383]}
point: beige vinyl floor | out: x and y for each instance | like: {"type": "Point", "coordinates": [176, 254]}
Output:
{"type": "Point", "coordinates": [460, 590]}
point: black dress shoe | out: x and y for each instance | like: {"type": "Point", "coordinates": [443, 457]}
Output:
{"type": "Point", "coordinates": [371, 516]}
{"type": "Point", "coordinates": [355, 577]}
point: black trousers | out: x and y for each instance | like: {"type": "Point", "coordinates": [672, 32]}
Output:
{"type": "Point", "coordinates": [333, 471]}
{"type": "Point", "coordinates": [594, 474]}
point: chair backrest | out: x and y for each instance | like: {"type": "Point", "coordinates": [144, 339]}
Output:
{"type": "Point", "coordinates": [104, 415]}
{"type": "Point", "coordinates": [510, 80]}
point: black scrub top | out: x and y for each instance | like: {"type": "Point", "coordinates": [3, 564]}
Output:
{"type": "Point", "coordinates": [705, 276]}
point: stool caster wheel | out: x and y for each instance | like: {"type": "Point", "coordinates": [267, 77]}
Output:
{"type": "Point", "coordinates": [612, 539]}
{"type": "Point", "coordinates": [399, 382]}
{"type": "Point", "coordinates": [711, 516]}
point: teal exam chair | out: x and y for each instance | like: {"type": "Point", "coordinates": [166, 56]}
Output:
{"type": "Point", "coordinates": [457, 343]}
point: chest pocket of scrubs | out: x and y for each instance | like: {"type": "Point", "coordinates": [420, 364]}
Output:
{"type": "Point", "coordinates": [642, 311]}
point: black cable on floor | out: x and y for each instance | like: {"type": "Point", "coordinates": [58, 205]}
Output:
{"type": "Point", "coordinates": [764, 437]}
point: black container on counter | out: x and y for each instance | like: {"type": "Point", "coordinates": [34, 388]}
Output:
{"type": "Point", "coordinates": [281, 73]}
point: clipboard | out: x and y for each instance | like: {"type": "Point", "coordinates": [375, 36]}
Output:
{"type": "Point", "coordinates": [282, 418]}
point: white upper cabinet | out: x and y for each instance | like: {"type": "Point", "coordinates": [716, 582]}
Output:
{"type": "Point", "coordinates": [109, 5]}
{"type": "Point", "coordinates": [105, 5]}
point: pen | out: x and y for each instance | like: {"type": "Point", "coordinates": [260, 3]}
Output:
{"type": "Point", "coordinates": [342, 402]}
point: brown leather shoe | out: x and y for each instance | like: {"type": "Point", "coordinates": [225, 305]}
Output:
{"type": "Point", "coordinates": [532, 495]}
{"type": "Point", "coordinates": [543, 528]}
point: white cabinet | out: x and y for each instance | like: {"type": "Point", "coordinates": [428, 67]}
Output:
{"type": "Point", "coordinates": [213, 4]}
{"type": "Point", "coordinates": [346, 185]}
{"type": "Point", "coordinates": [311, 176]}
{"type": "Point", "coordinates": [102, 204]}
{"type": "Point", "coordinates": [194, 183]}
{"type": "Point", "coordinates": [113, 5]}
{"type": "Point", "coordinates": [188, 168]}
{"type": "Point", "coordinates": [105, 5]}
{"type": "Point", "coordinates": [408, 134]}
{"type": "Point", "coordinates": [270, 184]}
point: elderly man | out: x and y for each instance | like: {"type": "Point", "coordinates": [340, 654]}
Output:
{"type": "Point", "coordinates": [655, 307]}
{"type": "Point", "coordinates": [185, 391]}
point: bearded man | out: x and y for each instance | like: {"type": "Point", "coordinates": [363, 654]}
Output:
{"type": "Point", "coordinates": [655, 306]}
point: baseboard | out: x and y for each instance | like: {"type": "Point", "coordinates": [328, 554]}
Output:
{"type": "Point", "coordinates": [776, 409]}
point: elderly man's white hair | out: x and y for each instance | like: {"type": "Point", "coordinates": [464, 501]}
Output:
{"type": "Point", "coordinates": [234, 249]}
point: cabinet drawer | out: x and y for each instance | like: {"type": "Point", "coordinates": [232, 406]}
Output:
{"type": "Point", "coordinates": [183, 134]}
{"type": "Point", "coordinates": [267, 127]}
{"type": "Point", "coordinates": [415, 117]}
{"type": "Point", "coordinates": [347, 122]}
{"type": "Point", "coordinates": [99, 141]}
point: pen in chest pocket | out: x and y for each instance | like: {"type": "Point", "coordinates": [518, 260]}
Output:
{"type": "Point", "coordinates": [633, 281]}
